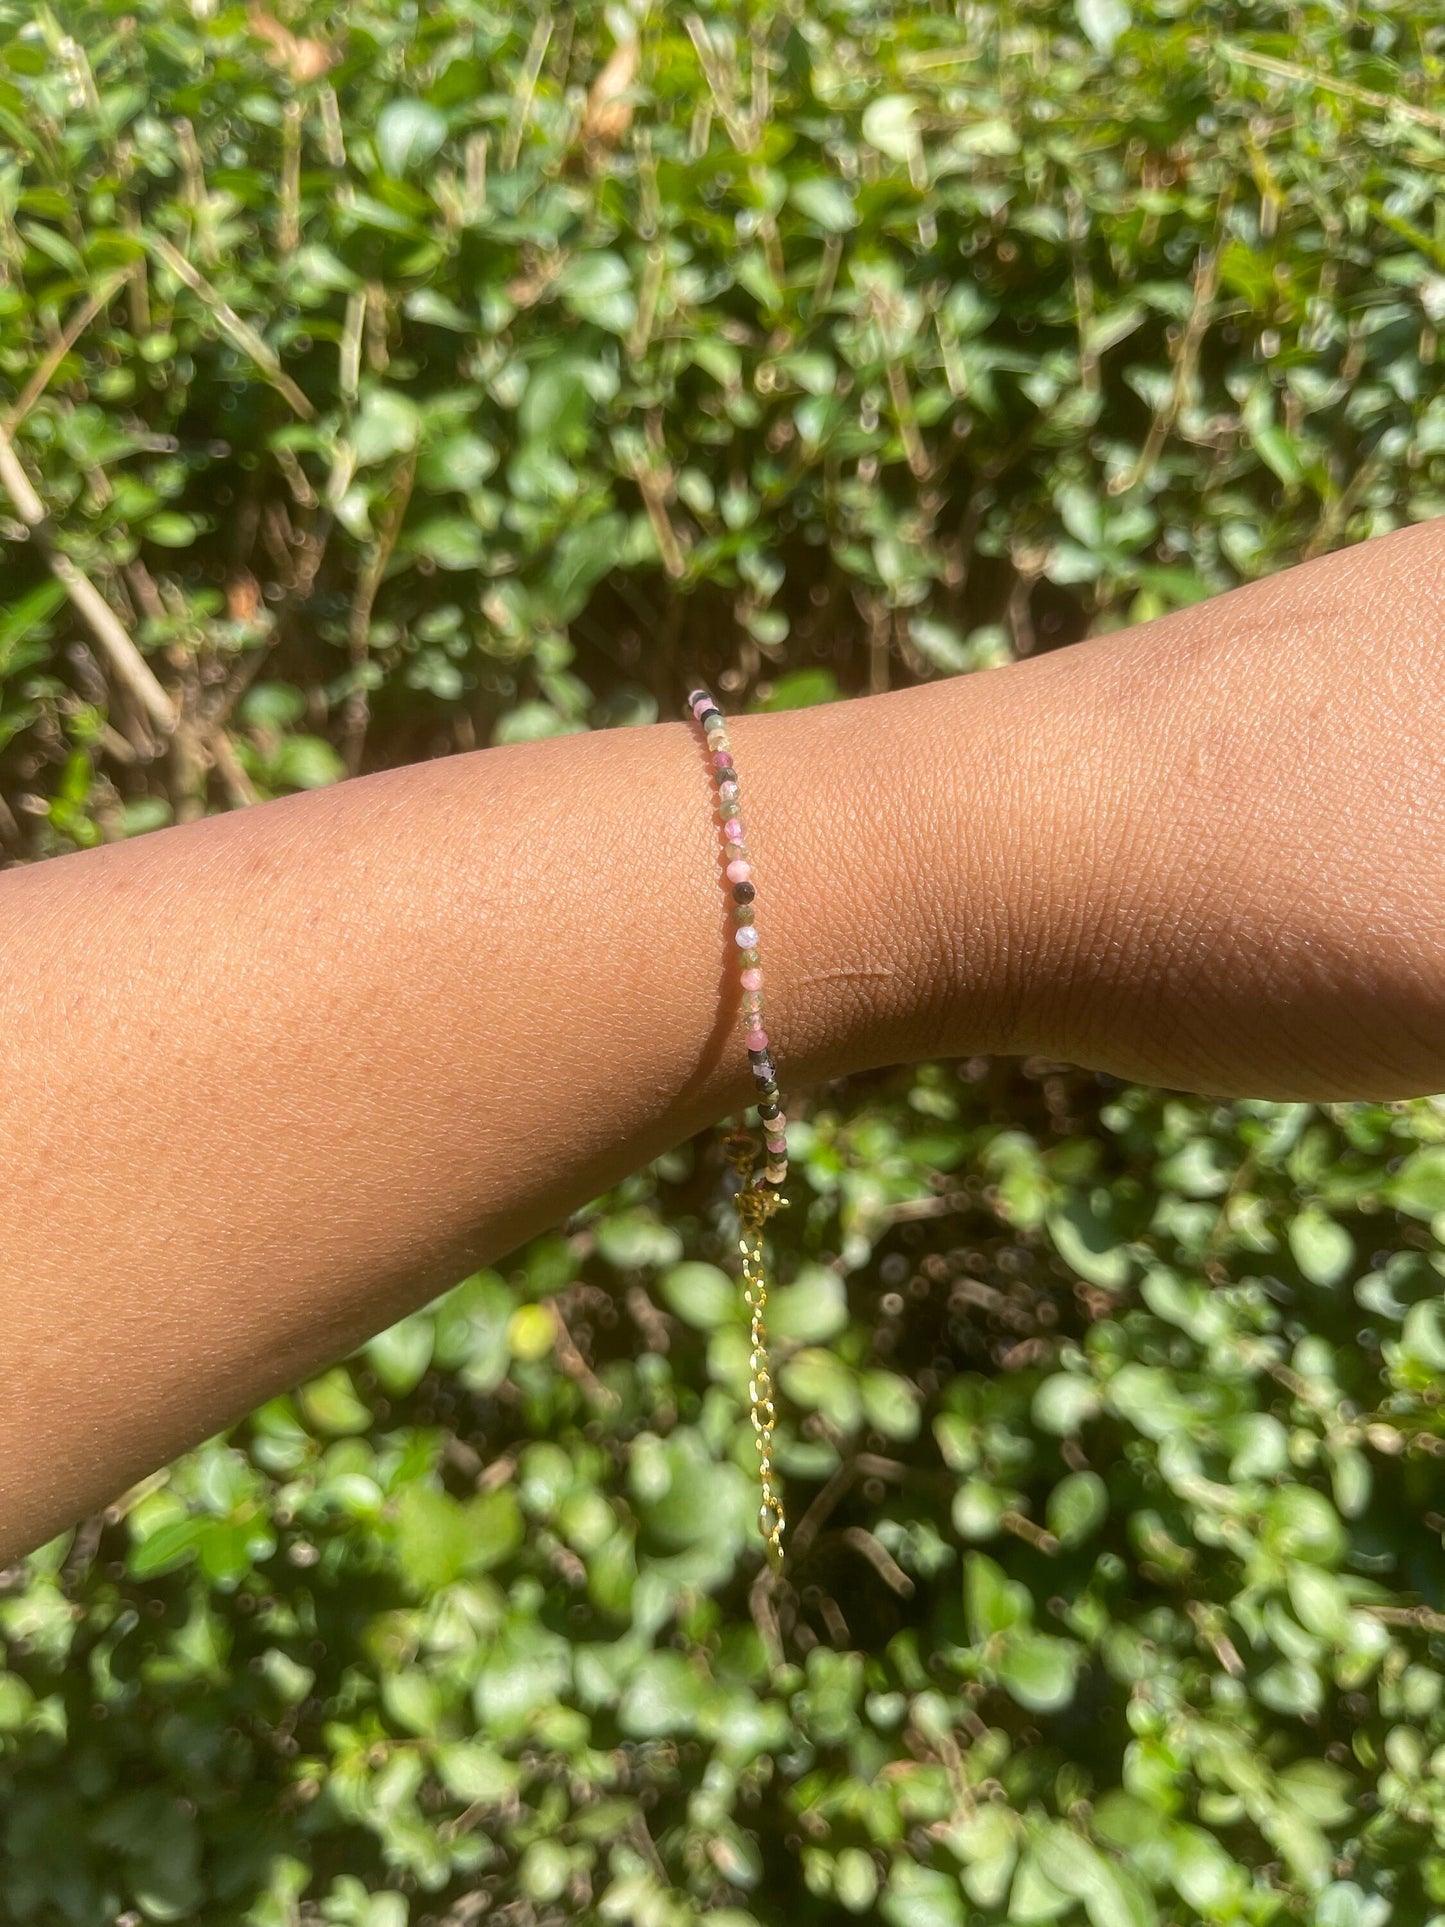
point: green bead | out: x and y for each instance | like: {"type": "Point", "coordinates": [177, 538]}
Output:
{"type": "Point", "coordinates": [743, 913]}
{"type": "Point", "coordinates": [727, 811]}
{"type": "Point", "coordinates": [749, 959]}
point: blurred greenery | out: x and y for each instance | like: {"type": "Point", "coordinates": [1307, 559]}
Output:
{"type": "Point", "coordinates": [411, 377]}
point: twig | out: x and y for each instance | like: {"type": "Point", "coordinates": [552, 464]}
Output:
{"type": "Point", "coordinates": [358, 709]}
{"type": "Point", "coordinates": [526, 90]}
{"type": "Point", "coordinates": [763, 1607]}
{"type": "Point", "coordinates": [64, 342]}
{"type": "Point", "coordinates": [289, 227]}
{"type": "Point", "coordinates": [1349, 89]}
{"type": "Point", "coordinates": [239, 787]}
{"type": "Point", "coordinates": [1206, 282]}
{"type": "Point", "coordinates": [880, 1559]}
{"type": "Point", "coordinates": [1423, 1618]}
{"type": "Point", "coordinates": [653, 493]}
{"type": "Point", "coordinates": [230, 323]}
{"type": "Point", "coordinates": [739, 133]}
{"type": "Point", "coordinates": [127, 661]}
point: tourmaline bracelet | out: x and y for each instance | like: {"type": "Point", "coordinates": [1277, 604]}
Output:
{"type": "Point", "coordinates": [759, 1194]}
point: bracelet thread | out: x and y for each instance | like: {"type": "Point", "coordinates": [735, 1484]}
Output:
{"type": "Point", "coordinates": [758, 1196]}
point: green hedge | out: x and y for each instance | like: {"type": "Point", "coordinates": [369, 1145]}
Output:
{"type": "Point", "coordinates": [423, 376]}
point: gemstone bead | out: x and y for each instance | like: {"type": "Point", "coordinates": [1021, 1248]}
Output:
{"type": "Point", "coordinates": [744, 892]}
{"type": "Point", "coordinates": [733, 830]}
{"type": "Point", "coordinates": [722, 759]}
{"type": "Point", "coordinates": [746, 937]}
{"type": "Point", "coordinates": [742, 912]}
{"type": "Point", "coordinates": [777, 1145]}
{"type": "Point", "coordinates": [738, 871]}
{"type": "Point", "coordinates": [727, 811]}
{"type": "Point", "coordinates": [752, 1003]}
{"type": "Point", "coordinates": [728, 790]}
{"type": "Point", "coordinates": [752, 980]}
{"type": "Point", "coordinates": [750, 958]}
{"type": "Point", "coordinates": [757, 1040]}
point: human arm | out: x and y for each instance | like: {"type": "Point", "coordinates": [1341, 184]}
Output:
{"type": "Point", "coordinates": [273, 1078]}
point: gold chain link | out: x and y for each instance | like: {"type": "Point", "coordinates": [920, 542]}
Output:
{"type": "Point", "coordinates": [755, 1205]}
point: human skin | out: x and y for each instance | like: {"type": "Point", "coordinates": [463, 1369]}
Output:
{"type": "Point", "coordinates": [271, 1079]}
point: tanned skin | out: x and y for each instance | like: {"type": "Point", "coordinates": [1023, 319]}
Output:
{"type": "Point", "coordinates": [271, 1079]}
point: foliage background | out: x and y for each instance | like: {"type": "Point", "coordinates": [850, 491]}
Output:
{"type": "Point", "coordinates": [420, 376]}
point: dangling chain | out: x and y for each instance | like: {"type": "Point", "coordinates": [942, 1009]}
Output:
{"type": "Point", "coordinates": [758, 1195]}
{"type": "Point", "coordinates": [754, 1207]}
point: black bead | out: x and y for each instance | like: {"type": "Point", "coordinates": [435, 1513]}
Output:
{"type": "Point", "coordinates": [763, 1056]}
{"type": "Point", "coordinates": [727, 774]}
{"type": "Point", "coordinates": [743, 893]}
{"type": "Point", "coordinates": [707, 717]}
{"type": "Point", "coordinates": [769, 1108]}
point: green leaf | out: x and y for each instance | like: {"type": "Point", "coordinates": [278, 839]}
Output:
{"type": "Point", "coordinates": [451, 541]}
{"type": "Point", "coordinates": [1323, 1249]}
{"type": "Point", "coordinates": [889, 125]}
{"type": "Point", "coordinates": [1418, 1187]}
{"type": "Point", "coordinates": [400, 1355]}
{"type": "Point", "coordinates": [1038, 1670]}
{"type": "Point", "coordinates": [633, 1240]}
{"type": "Point", "coordinates": [702, 1295]}
{"type": "Point", "coordinates": [408, 133]}
{"type": "Point", "coordinates": [921, 1897]}
{"type": "Point", "coordinates": [172, 530]}
{"type": "Point", "coordinates": [1085, 1237]}
{"type": "Point", "coordinates": [307, 763]}
{"type": "Point", "coordinates": [993, 1602]}
{"type": "Point", "coordinates": [166, 1548]}
{"type": "Point", "coordinates": [813, 1308]}
{"type": "Point", "coordinates": [330, 1405]}
{"type": "Point", "coordinates": [597, 286]}
{"type": "Point", "coordinates": [1103, 21]}
{"type": "Point", "coordinates": [1422, 1337]}
{"type": "Point", "coordinates": [1064, 1402]}
{"type": "Point", "coordinates": [388, 423]}
{"type": "Point", "coordinates": [664, 1698]}
{"type": "Point", "coordinates": [825, 202]}
{"type": "Point", "coordinates": [1077, 1507]}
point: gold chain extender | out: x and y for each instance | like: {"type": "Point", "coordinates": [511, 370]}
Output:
{"type": "Point", "coordinates": [755, 1205]}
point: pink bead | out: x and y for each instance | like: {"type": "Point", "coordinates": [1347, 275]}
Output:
{"type": "Point", "coordinates": [738, 871]}
{"type": "Point", "coordinates": [777, 1145]}
{"type": "Point", "coordinates": [733, 830]}
{"type": "Point", "coordinates": [729, 792]}
{"type": "Point", "coordinates": [721, 758]}
{"type": "Point", "coordinates": [757, 1040]}
{"type": "Point", "coordinates": [752, 979]}
{"type": "Point", "coordinates": [745, 936]}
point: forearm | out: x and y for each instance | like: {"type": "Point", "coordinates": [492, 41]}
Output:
{"type": "Point", "coordinates": [1243, 882]}
{"type": "Point", "coordinates": [274, 1078]}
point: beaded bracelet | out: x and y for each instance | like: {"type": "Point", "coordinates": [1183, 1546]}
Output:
{"type": "Point", "coordinates": [758, 1196]}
